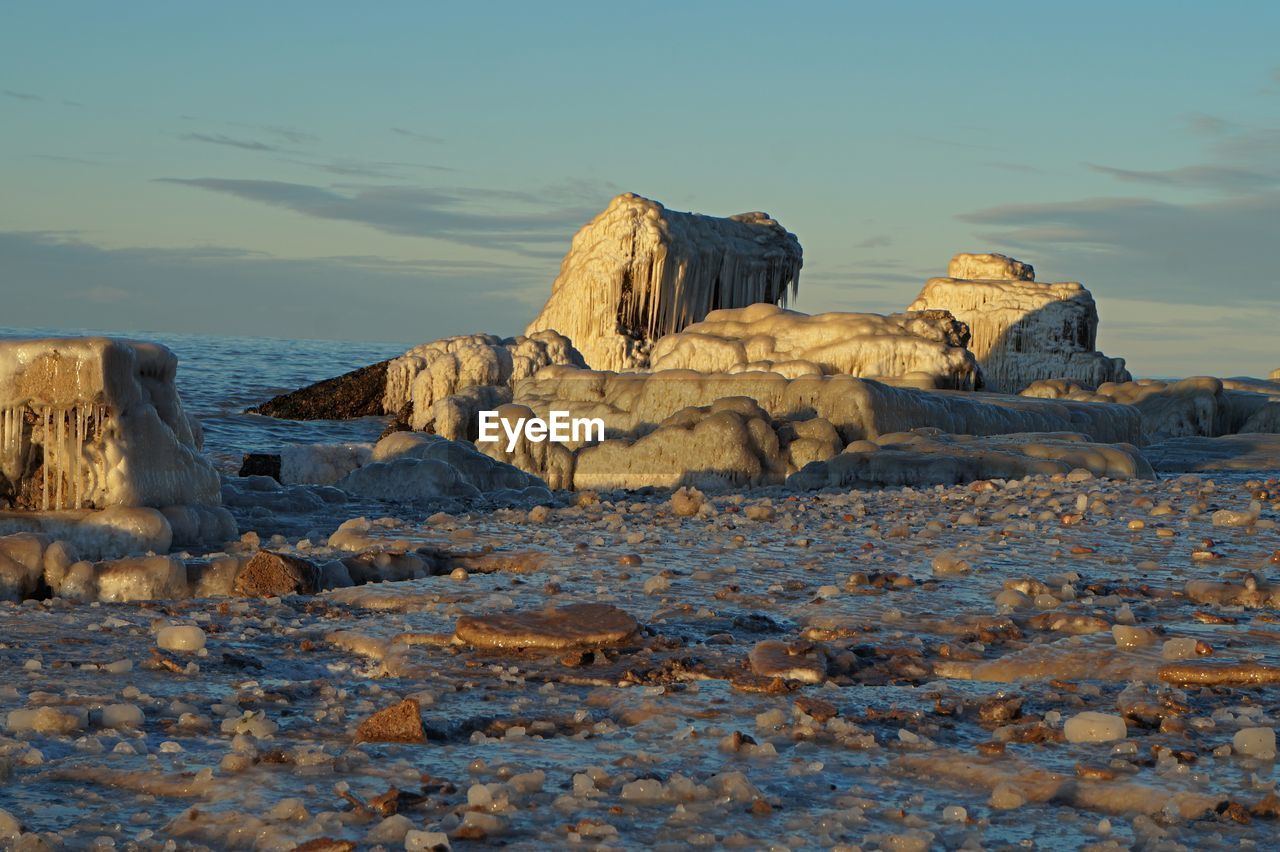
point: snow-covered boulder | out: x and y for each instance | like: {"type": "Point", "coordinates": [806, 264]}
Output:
{"type": "Point", "coordinates": [929, 345]}
{"type": "Point", "coordinates": [1020, 329]}
{"type": "Point", "coordinates": [639, 271]}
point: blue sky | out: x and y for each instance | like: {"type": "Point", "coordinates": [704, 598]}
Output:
{"type": "Point", "coordinates": [403, 171]}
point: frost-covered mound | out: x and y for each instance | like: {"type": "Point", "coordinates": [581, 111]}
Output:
{"type": "Point", "coordinates": [929, 457]}
{"type": "Point", "coordinates": [639, 271]}
{"type": "Point", "coordinates": [412, 467]}
{"type": "Point", "coordinates": [96, 448]}
{"type": "Point", "coordinates": [677, 427]}
{"type": "Point", "coordinates": [1247, 452]}
{"type": "Point", "coordinates": [440, 386]}
{"type": "Point", "coordinates": [928, 346]}
{"type": "Point", "coordinates": [1021, 330]}
{"type": "Point", "coordinates": [1199, 406]}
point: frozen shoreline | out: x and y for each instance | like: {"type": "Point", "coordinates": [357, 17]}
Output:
{"type": "Point", "coordinates": [923, 603]}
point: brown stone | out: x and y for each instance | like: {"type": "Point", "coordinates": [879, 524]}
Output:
{"type": "Point", "coordinates": [325, 844]}
{"type": "Point", "coordinates": [817, 708]}
{"type": "Point", "coordinates": [399, 723]}
{"type": "Point", "coordinates": [589, 625]}
{"type": "Point", "coordinates": [271, 574]}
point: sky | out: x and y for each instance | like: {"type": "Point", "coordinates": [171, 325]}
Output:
{"type": "Point", "coordinates": [406, 171]}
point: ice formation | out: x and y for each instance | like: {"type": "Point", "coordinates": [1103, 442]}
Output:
{"type": "Point", "coordinates": [928, 457]}
{"type": "Point", "coordinates": [95, 448]}
{"type": "Point", "coordinates": [1199, 406]}
{"type": "Point", "coordinates": [676, 428]}
{"type": "Point", "coordinates": [410, 467]}
{"type": "Point", "coordinates": [1021, 330]}
{"type": "Point", "coordinates": [1247, 451]}
{"type": "Point", "coordinates": [638, 271]}
{"type": "Point", "coordinates": [928, 345]}
{"type": "Point", "coordinates": [87, 423]}
{"type": "Point", "coordinates": [421, 381]}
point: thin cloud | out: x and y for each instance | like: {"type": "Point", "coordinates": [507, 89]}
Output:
{"type": "Point", "coordinates": [1220, 178]}
{"type": "Point", "coordinates": [21, 96]}
{"type": "Point", "coordinates": [228, 141]}
{"type": "Point", "coordinates": [421, 137]}
{"type": "Point", "coordinates": [291, 135]}
{"type": "Point", "coordinates": [369, 168]}
{"type": "Point", "coordinates": [485, 218]}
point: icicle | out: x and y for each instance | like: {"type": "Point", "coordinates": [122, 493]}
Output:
{"type": "Point", "coordinates": [46, 422]}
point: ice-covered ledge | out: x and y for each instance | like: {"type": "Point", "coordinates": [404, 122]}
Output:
{"type": "Point", "coordinates": [93, 423]}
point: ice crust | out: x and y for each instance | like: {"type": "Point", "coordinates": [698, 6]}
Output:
{"type": "Point", "coordinates": [928, 347]}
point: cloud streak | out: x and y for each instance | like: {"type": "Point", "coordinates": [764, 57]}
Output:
{"type": "Point", "coordinates": [520, 222]}
{"type": "Point", "coordinates": [228, 141]}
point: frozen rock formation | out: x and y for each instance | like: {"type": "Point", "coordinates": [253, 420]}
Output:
{"type": "Point", "coordinates": [638, 271]}
{"type": "Point", "coordinates": [436, 386]}
{"type": "Point", "coordinates": [929, 345]}
{"type": "Point", "coordinates": [1244, 452]}
{"type": "Point", "coordinates": [91, 422]}
{"type": "Point", "coordinates": [96, 449]}
{"type": "Point", "coordinates": [1198, 406]}
{"type": "Point", "coordinates": [677, 428]}
{"type": "Point", "coordinates": [929, 457]}
{"type": "Point", "coordinates": [1275, 375]}
{"type": "Point", "coordinates": [412, 467]}
{"type": "Point", "coordinates": [420, 382]}
{"type": "Point", "coordinates": [1021, 330]}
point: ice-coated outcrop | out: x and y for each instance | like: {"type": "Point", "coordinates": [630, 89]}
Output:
{"type": "Point", "coordinates": [930, 457]}
{"type": "Point", "coordinates": [1275, 375]}
{"type": "Point", "coordinates": [91, 422]}
{"type": "Point", "coordinates": [481, 367]}
{"type": "Point", "coordinates": [1198, 406]}
{"type": "Point", "coordinates": [676, 428]}
{"type": "Point", "coordinates": [1020, 329]}
{"type": "Point", "coordinates": [413, 467]}
{"type": "Point", "coordinates": [928, 347]}
{"type": "Point", "coordinates": [95, 448]}
{"type": "Point", "coordinates": [1243, 452]}
{"type": "Point", "coordinates": [639, 271]}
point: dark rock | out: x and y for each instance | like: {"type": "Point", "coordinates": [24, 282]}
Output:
{"type": "Point", "coordinates": [355, 394]}
{"type": "Point", "coordinates": [261, 464]}
{"type": "Point", "coordinates": [270, 574]}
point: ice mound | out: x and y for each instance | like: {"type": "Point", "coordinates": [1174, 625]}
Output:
{"type": "Point", "coordinates": [638, 271]}
{"type": "Point", "coordinates": [929, 345]}
{"type": "Point", "coordinates": [412, 467]}
{"type": "Point", "coordinates": [1199, 406]}
{"type": "Point", "coordinates": [633, 403]}
{"type": "Point", "coordinates": [1021, 330]}
{"type": "Point", "coordinates": [421, 381]}
{"type": "Point", "coordinates": [1229, 452]}
{"type": "Point", "coordinates": [583, 625]}
{"type": "Point", "coordinates": [91, 422]}
{"type": "Point", "coordinates": [929, 457]}
{"type": "Point", "coordinates": [95, 448]}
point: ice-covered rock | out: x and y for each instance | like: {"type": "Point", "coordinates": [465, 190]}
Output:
{"type": "Point", "coordinates": [587, 625]}
{"type": "Point", "coordinates": [1229, 452]}
{"type": "Point", "coordinates": [929, 457]}
{"type": "Point", "coordinates": [270, 574]}
{"type": "Point", "coordinates": [412, 467]}
{"type": "Point", "coordinates": [1199, 406]}
{"type": "Point", "coordinates": [96, 449]}
{"type": "Point", "coordinates": [1275, 375]}
{"type": "Point", "coordinates": [638, 271]}
{"type": "Point", "coordinates": [928, 347]}
{"type": "Point", "coordinates": [321, 464]}
{"type": "Point", "coordinates": [1021, 330]}
{"type": "Point", "coordinates": [92, 422]}
{"type": "Point", "coordinates": [421, 381]}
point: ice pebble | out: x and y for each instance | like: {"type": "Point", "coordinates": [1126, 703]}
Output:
{"type": "Point", "coordinates": [1127, 636]}
{"type": "Point", "coordinates": [1255, 742]}
{"type": "Point", "coordinates": [426, 841]}
{"type": "Point", "coordinates": [122, 716]}
{"type": "Point", "coordinates": [1093, 727]}
{"type": "Point", "coordinates": [10, 828]}
{"type": "Point", "coordinates": [1183, 648]}
{"type": "Point", "coordinates": [185, 637]}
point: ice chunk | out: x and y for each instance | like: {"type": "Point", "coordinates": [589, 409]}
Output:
{"type": "Point", "coordinates": [1093, 727]}
{"type": "Point", "coordinates": [1255, 742]}
{"type": "Point", "coordinates": [183, 637]}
